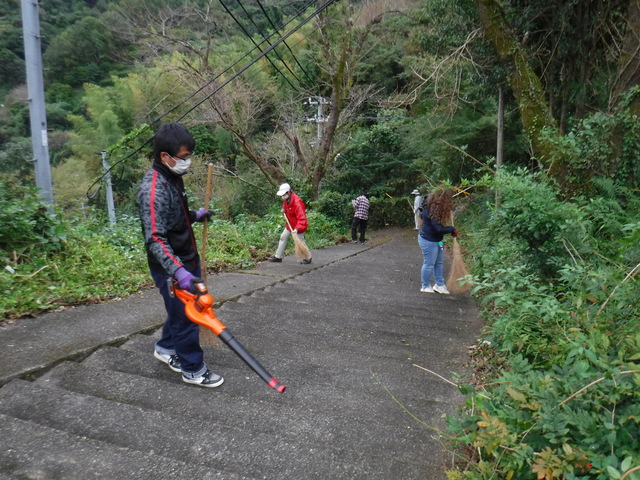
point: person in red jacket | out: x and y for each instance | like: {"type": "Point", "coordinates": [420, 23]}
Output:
{"type": "Point", "coordinates": [296, 212]}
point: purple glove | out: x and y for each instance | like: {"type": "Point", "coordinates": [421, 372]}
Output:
{"type": "Point", "coordinates": [184, 279]}
{"type": "Point", "coordinates": [202, 214]}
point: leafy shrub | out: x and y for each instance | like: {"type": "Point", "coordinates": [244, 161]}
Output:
{"type": "Point", "coordinates": [26, 224]}
{"type": "Point", "coordinates": [563, 315]}
{"type": "Point", "coordinates": [335, 205]}
{"type": "Point", "coordinates": [95, 264]}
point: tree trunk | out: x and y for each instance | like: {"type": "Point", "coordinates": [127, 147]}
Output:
{"type": "Point", "coordinates": [525, 83]}
{"type": "Point", "coordinates": [628, 73]}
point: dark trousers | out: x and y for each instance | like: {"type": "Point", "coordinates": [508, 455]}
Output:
{"type": "Point", "coordinates": [179, 334]}
{"type": "Point", "coordinates": [354, 228]}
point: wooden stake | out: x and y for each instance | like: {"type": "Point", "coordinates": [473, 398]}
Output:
{"type": "Point", "coordinates": [207, 199]}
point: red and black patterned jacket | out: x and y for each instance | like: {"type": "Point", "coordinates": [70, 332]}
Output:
{"type": "Point", "coordinates": [166, 221]}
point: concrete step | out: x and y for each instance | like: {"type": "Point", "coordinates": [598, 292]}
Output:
{"type": "Point", "coordinates": [323, 416]}
{"type": "Point", "coordinates": [239, 442]}
{"type": "Point", "coordinates": [193, 437]}
{"type": "Point", "coordinates": [251, 397]}
{"type": "Point", "coordinates": [311, 368]}
{"type": "Point", "coordinates": [34, 451]}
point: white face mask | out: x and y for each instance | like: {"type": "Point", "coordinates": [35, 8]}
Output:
{"type": "Point", "coordinates": [285, 196]}
{"type": "Point", "coordinates": [181, 166]}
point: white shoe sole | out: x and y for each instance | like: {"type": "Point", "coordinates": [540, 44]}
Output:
{"type": "Point", "coordinates": [166, 362]}
{"type": "Point", "coordinates": [209, 385]}
{"type": "Point", "coordinates": [446, 292]}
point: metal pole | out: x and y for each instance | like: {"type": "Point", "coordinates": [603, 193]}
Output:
{"type": "Point", "coordinates": [35, 88]}
{"type": "Point", "coordinates": [107, 178]}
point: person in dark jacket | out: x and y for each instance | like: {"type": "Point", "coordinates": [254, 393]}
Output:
{"type": "Point", "coordinates": [296, 212]}
{"type": "Point", "coordinates": [435, 212]}
{"type": "Point", "coordinates": [171, 250]}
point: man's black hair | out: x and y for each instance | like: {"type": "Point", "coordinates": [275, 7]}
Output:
{"type": "Point", "coordinates": [169, 138]}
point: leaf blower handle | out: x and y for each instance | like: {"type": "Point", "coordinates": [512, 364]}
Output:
{"type": "Point", "coordinates": [184, 278]}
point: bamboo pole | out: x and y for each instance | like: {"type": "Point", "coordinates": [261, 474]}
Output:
{"type": "Point", "coordinates": [207, 199]}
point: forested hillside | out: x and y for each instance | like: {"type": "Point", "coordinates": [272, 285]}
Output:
{"type": "Point", "coordinates": [530, 109]}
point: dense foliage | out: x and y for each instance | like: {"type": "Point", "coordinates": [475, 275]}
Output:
{"type": "Point", "coordinates": [558, 286]}
{"type": "Point", "coordinates": [51, 263]}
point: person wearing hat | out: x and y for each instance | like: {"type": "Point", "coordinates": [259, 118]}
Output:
{"type": "Point", "coordinates": [417, 205]}
{"type": "Point", "coordinates": [296, 212]}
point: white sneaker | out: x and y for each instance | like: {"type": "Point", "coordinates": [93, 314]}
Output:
{"type": "Point", "coordinates": [441, 289]}
{"type": "Point", "coordinates": [207, 379]}
{"type": "Point", "coordinates": [428, 289]}
{"type": "Point", "coordinates": [171, 360]}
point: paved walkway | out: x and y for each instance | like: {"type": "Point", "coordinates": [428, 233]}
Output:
{"type": "Point", "coordinates": [82, 396]}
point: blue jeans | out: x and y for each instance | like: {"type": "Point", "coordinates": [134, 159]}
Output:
{"type": "Point", "coordinates": [179, 334]}
{"type": "Point", "coordinates": [433, 258]}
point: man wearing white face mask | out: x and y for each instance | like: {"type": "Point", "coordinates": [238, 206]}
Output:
{"type": "Point", "coordinates": [171, 250]}
{"type": "Point", "coordinates": [296, 212]}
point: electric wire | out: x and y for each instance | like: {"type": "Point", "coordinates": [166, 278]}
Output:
{"type": "Point", "coordinates": [250, 37]}
{"type": "Point", "coordinates": [298, 14]}
{"type": "Point", "coordinates": [317, 11]}
{"type": "Point", "coordinates": [267, 40]}
{"type": "Point", "coordinates": [263, 53]}
{"type": "Point", "coordinates": [285, 43]}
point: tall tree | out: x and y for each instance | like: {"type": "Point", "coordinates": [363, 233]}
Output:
{"type": "Point", "coordinates": [628, 71]}
{"type": "Point", "coordinates": [253, 104]}
{"type": "Point", "coordinates": [593, 44]}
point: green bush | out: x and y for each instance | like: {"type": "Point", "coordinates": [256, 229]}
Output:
{"type": "Point", "coordinates": [26, 225]}
{"type": "Point", "coordinates": [558, 283]}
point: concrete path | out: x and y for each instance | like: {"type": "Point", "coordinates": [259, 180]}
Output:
{"type": "Point", "coordinates": [82, 396]}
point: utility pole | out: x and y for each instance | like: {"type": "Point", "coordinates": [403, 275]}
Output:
{"type": "Point", "coordinates": [319, 118]}
{"type": "Point", "coordinates": [35, 88]}
{"type": "Point", "coordinates": [500, 138]}
{"type": "Point", "coordinates": [107, 178]}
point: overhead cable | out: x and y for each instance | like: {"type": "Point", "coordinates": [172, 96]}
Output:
{"type": "Point", "coordinates": [318, 10]}
{"type": "Point", "coordinates": [267, 40]}
{"type": "Point", "coordinates": [250, 37]}
{"type": "Point", "coordinates": [175, 107]}
{"type": "Point", "coordinates": [225, 83]}
{"type": "Point", "coordinates": [285, 43]}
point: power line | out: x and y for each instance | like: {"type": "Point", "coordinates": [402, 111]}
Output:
{"type": "Point", "coordinates": [285, 43]}
{"type": "Point", "coordinates": [230, 67]}
{"type": "Point", "coordinates": [221, 86]}
{"type": "Point", "coordinates": [318, 10]}
{"type": "Point", "coordinates": [266, 39]}
{"type": "Point", "coordinates": [250, 37]}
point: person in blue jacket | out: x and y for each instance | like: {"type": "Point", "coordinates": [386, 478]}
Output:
{"type": "Point", "coordinates": [435, 212]}
{"type": "Point", "coordinates": [171, 250]}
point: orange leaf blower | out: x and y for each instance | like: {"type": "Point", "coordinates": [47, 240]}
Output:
{"type": "Point", "coordinates": [198, 307]}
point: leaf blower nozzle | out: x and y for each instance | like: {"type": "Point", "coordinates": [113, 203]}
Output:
{"type": "Point", "coordinates": [198, 307]}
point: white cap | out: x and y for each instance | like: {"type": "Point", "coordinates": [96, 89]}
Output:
{"type": "Point", "coordinates": [415, 192]}
{"type": "Point", "coordinates": [284, 188]}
